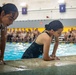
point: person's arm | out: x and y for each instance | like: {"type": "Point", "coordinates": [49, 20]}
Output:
{"type": "Point", "coordinates": [55, 48]}
{"type": "Point", "coordinates": [46, 47]}
{"type": "Point", "coordinates": [3, 43]}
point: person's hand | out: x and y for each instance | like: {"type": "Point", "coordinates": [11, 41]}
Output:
{"type": "Point", "coordinates": [2, 62]}
{"type": "Point", "coordinates": [54, 57]}
{"type": "Point", "coordinates": [1, 59]}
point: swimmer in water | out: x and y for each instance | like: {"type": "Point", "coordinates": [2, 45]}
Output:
{"type": "Point", "coordinates": [42, 43]}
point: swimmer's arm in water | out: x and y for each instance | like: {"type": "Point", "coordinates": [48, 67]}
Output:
{"type": "Point", "coordinates": [55, 48]}
{"type": "Point", "coordinates": [3, 43]}
{"type": "Point", "coordinates": [46, 56]}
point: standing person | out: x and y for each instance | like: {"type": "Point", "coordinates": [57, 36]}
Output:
{"type": "Point", "coordinates": [8, 13]}
{"type": "Point", "coordinates": [42, 43]}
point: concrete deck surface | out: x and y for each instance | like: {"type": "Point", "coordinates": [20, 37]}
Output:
{"type": "Point", "coordinates": [65, 66]}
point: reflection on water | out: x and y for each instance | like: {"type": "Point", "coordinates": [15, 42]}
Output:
{"type": "Point", "coordinates": [15, 51]}
{"type": "Point", "coordinates": [64, 49]}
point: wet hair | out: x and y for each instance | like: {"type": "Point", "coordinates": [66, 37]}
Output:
{"type": "Point", "coordinates": [55, 25]}
{"type": "Point", "coordinates": [8, 8]}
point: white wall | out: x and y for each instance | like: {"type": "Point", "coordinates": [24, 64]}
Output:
{"type": "Point", "coordinates": [39, 9]}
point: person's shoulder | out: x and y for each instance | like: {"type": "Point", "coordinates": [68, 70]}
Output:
{"type": "Point", "coordinates": [46, 37]}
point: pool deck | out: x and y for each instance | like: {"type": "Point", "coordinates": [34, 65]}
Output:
{"type": "Point", "coordinates": [65, 66]}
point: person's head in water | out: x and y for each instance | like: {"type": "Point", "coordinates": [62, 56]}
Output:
{"type": "Point", "coordinates": [8, 13]}
{"type": "Point", "coordinates": [54, 28]}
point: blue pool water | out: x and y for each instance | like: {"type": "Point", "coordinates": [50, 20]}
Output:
{"type": "Point", "coordinates": [14, 51]}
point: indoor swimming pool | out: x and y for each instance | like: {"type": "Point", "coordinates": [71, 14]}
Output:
{"type": "Point", "coordinates": [14, 51]}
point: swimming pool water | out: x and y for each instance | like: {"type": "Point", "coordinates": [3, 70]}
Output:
{"type": "Point", "coordinates": [14, 51]}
